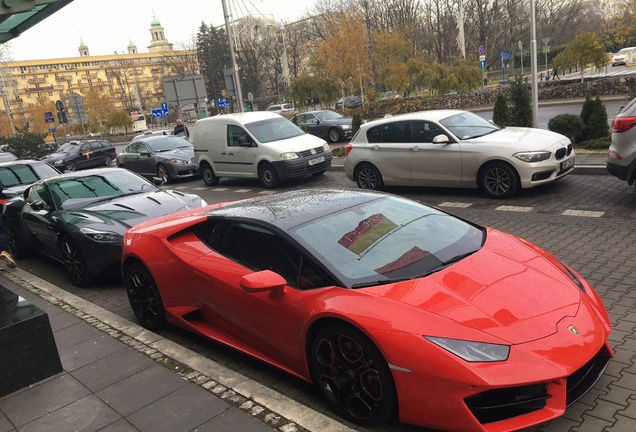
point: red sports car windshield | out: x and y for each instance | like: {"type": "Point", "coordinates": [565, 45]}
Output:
{"type": "Point", "coordinates": [388, 240]}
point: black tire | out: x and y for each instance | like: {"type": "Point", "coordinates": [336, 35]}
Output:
{"type": "Point", "coordinates": [209, 178]}
{"type": "Point", "coordinates": [74, 263]}
{"type": "Point", "coordinates": [368, 177]}
{"type": "Point", "coordinates": [144, 297]}
{"type": "Point", "coordinates": [18, 249]}
{"type": "Point", "coordinates": [268, 177]}
{"type": "Point", "coordinates": [71, 166]}
{"type": "Point", "coordinates": [498, 180]}
{"type": "Point", "coordinates": [162, 173]}
{"type": "Point", "coordinates": [108, 159]}
{"type": "Point", "coordinates": [334, 135]}
{"type": "Point", "coordinates": [351, 373]}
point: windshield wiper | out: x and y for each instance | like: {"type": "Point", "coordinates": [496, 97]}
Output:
{"type": "Point", "coordinates": [380, 282]}
{"type": "Point", "coordinates": [445, 264]}
{"type": "Point", "coordinates": [484, 134]}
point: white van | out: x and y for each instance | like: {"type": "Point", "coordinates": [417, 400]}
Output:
{"type": "Point", "coordinates": [259, 145]}
{"type": "Point", "coordinates": [624, 56]}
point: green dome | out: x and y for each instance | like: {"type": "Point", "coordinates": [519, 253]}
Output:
{"type": "Point", "coordinates": [155, 23]}
{"type": "Point", "coordinates": [82, 44]}
{"type": "Point", "coordinates": [131, 45]}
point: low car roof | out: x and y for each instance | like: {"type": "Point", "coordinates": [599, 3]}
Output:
{"type": "Point", "coordinates": [21, 162]}
{"type": "Point", "coordinates": [434, 115]}
{"type": "Point", "coordinates": [289, 209]}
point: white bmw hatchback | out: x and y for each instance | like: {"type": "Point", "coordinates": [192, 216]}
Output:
{"type": "Point", "coordinates": [454, 148]}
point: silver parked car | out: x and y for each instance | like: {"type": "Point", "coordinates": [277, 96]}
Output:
{"type": "Point", "coordinates": [454, 148]}
{"type": "Point", "coordinates": [621, 156]}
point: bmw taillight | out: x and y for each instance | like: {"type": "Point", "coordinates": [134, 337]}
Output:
{"type": "Point", "coordinates": [623, 124]}
{"type": "Point", "coordinates": [348, 148]}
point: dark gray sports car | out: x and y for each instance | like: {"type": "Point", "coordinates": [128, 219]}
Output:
{"type": "Point", "coordinates": [168, 157]}
{"type": "Point", "coordinates": [79, 218]}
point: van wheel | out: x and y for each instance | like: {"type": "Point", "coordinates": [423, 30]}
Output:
{"type": "Point", "coordinates": [268, 177]}
{"type": "Point", "coordinates": [208, 175]}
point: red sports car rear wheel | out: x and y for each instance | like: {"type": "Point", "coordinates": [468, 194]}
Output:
{"type": "Point", "coordinates": [352, 374]}
{"type": "Point", "coordinates": [144, 297]}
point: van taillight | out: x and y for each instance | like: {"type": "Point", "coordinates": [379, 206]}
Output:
{"type": "Point", "coordinates": [623, 124]}
{"type": "Point", "coordinates": [348, 148]}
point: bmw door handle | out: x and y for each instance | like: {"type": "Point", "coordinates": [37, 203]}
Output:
{"type": "Point", "coordinates": [415, 148]}
{"type": "Point", "coordinates": [375, 147]}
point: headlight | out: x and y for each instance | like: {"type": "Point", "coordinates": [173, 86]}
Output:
{"type": "Point", "coordinates": [346, 127]}
{"type": "Point", "coordinates": [58, 162]}
{"type": "Point", "coordinates": [325, 147]}
{"type": "Point", "coordinates": [288, 156]}
{"type": "Point", "coordinates": [472, 351]}
{"type": "Point", "coordinates": [177, 162]}
{"type": "Point", "coordinates": [102, 236]}
{"type": "Point", "coordinates": [530, 157]}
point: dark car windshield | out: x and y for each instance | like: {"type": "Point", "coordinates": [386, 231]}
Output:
{"type": "Point", "coordinates": [467, 125]}
{"type": "Point", "coordinates": [388, 240]}
{"type": "Point", "coordinates": [73, 192]}
{"type": "Point", "coordinates": [328, 115]}
{"type": "Point", "coordinates": [68, 148]}
{"type": "Point", "coordinates": [25, 174]}
{"type": "Point", "coordinates": [168, 143]}
{"type": "Point", "coordinates": [273, 129]}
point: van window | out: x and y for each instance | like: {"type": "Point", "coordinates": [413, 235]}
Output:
{"type": "Point", "coordinates": [233, 135]}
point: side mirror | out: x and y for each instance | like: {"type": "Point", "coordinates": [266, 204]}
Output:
{"type": "Point", "coordinates": [315, 122]}
{"type": "Point", "coordinates": [265, 280]}
{"type": "Point", "coordinates": [144, 152]}
{"type": "Point", "coordinates": [441, 139]}
{"type": "Point", "coordinates": [40, 205]}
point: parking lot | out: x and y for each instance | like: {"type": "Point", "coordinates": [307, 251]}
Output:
{"type": "Point", "coordinates": [586, 220]}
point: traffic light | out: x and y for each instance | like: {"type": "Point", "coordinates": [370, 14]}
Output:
{"type": "Point", "coordinates": [61, 112]}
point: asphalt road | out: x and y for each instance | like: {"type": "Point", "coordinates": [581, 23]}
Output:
{"type": "Point", "coordinates": [586, 220]}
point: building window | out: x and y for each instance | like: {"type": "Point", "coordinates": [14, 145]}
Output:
{"type": "Point", "coordinates": [51, 94]}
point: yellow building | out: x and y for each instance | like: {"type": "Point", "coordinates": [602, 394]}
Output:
{"type": "Point", "coordinates": [132, 80]}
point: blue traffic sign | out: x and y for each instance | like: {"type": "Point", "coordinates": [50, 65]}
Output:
{"type": "Point", "coordinates": [52, 129]}
{"type": "Point", "coordinates": [163, 112]}
{"type": "Point", "coordinates": [48, 114]}
{"type": "Point", "coordinates": [49, 119]}
{"type": "Point", "coordinates": [482, 64]}
{"type": "Point", "coordinates": [222, 103]}
{"type": "Point", "coordinates": [164, 106]}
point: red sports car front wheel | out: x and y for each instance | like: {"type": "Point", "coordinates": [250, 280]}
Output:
{"type": "Point", "coordinates": [352, 374]}
{"type": "Point", "coordinates": [144, 297]}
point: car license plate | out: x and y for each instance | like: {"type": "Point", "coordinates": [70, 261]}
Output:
{"type": "Point", "coordinates": [566, 165]}
{"type": "Point", "coordinates": [316, 161]}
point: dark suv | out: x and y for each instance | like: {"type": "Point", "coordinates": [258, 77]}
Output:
{"type": "Point", "coordinates": [76, 155]}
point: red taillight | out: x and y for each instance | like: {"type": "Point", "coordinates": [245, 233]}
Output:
{"type": "Point", "coordinates": [348, 148]}
{"type": "Point", "coordinates": [623, 124]}
{"type": "Point", "coordinates": [3, 200]}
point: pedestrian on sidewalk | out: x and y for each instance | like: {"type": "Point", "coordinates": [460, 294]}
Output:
{"type": "Point", "coordinates": [5, 255]}
{"type": "Point", "coordinates": [555, 74]}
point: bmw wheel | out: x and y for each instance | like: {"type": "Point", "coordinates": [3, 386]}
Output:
{"type": "Point", "coordinates": [334, 135]}
{"type": "Point", "coordinates": [498, 180]}
{"type": "Point", "coordinates": [352, 374]}
{"type": "Point", "coordinates": [17, 248]}
{"type": "Point", "coordinates": [144, 297]}
{"type": "Point", "coordinates": [208, 175]}
{"type": "Point", "coordinates": [162, 172]}
{"type": "Point", "coordinates": [74, 263]}
{"type": "Point", "coordinates": [368, 177]}
{"type": "Point", "coordinates": [268, 177]}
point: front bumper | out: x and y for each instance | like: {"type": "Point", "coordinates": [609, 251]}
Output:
{"type": "Point", "coordinates": [182, 171]}
{"type": "Point", "coordinates": [535, 174]}
{"type": "Point", "coordinates": [303, 166]}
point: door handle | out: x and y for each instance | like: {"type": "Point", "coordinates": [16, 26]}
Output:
{"type": "Point", "coordinates": [230, 154]}
{"type": "Point", "coordinates": [375, 147]}
{"type": "Point", "coordinates": [223, 154]}
{"type": "Point", "coordinates": [415, 148]}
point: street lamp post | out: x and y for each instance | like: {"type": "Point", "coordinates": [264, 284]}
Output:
{"type": "Point", "coordinates": [521, 56]}
{"type": "Point", "coordinates": [533, 67]}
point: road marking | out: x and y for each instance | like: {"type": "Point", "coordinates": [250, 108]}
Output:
{"type": "Point", "coordinates": [583, 213]}
{"type": "Point", "coordinates": [455, 204]}
{"type": "Point", "coordinates": [514, 209]}
{"type": "Point", "coordinates": [267, 192]}
{"type": "Point", "coordinates": [220, 189]}
{"type": "Point", "coordinates": [200, 188]}
{"type": "Point", "coordinates": [243, 190]}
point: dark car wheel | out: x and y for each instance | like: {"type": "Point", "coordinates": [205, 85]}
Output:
{"type": "Point", "coordinates": [352, 374]}
{"type": "Point", "coordinates": [74, 263]}
{"type": "Point", "coordinates": [162, 172]}
{"type": "Point", "coordinates": [334, 135]}
{"type": "Point", "coordinates": [71, 166]}
{"type": "Point", "coordinates": [498, 180]}
{"type": "Point", "coordinates": [268, 177]}
{"type": "Point", "coordinates": [18, 249]}
{"type": "Point", "coordinates": [108, 159]}
{"type": "Point", "coordinates": [144, 297]}
{"type": "Point", "coordinates": [208, 175]}
{"type": "Point", "coordinates": [368, 177]}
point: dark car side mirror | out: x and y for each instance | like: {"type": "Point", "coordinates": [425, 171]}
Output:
{"type": "Point", "coordinates": [144, 152]}
{"type": "Point", "coordinates": [40, 205]}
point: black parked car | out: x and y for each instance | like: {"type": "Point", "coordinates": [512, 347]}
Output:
{"type": "Point", "coordinates": [326, 124]}
{"type": "Point", "coordinates": [168, 157]}
{"type": "Point", "coordinates": [350, 102]}
{"type": "Point", "coordinates": [79, 218]}
{"type": "Point", "coordinates": [76, 155]}
{"type": "Point", "coordinates": [17, 175]}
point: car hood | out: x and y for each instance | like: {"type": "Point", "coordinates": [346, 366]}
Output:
{"type": "Point", "coordinates": [298, 143]}
{"type": "Point", "coordinates": [182, 153]}
{"type": "Point", "coordinates": [523, 138]}
{"type": "Point", "coordinates": [55, 156]}
{"type": "Point", "coordinates": [338, 122]}
{"type": "Point", "coordinates": [520, 299]}
{"type": "Point", "coordinates": [132, 210]}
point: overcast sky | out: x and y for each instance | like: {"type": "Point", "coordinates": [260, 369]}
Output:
{"type": "Point", "coordinates": [107, 26]}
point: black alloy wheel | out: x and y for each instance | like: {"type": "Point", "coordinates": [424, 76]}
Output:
{"type": "Point", "coordinates": [16, 247]}
{"type": "Point", "coordinates": [162, 172]}
{"type": "Point", "coordinates": [74, 263]}
{"type": "Point", "coordinates": [368, 177]}
{"type": "Point", "coordinates": [144, 297]}
{"type": "Point", "coordinates": [352, 374]}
